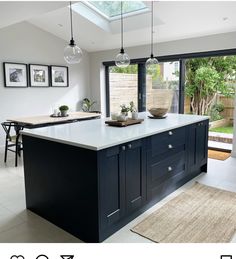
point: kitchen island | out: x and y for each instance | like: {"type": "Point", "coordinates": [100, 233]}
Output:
{"type": "Point", "coordinates": [91, 179]}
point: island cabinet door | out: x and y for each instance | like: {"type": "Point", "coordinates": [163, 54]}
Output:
{"type": "Point", "coordinates": [197, 145]}
{"type": "Point", "coordinates": [202, 142]}
{"type": "Point", "coordinates": [135, 175]}
{"type": "Point", "coordinates": [111, 186]}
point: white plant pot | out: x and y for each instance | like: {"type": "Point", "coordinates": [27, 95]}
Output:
{"type": "Point", "coordinates": [134, 115]}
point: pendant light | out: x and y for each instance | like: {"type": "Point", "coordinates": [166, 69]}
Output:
{"type": "Point", "coordinates": [72, 53]}
{"type": "Point", "coordinates": [122, 59]}
{"type": "Point", "coordinates": [151, 63]}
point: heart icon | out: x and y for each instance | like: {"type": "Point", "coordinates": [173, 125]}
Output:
{"type": "Point", "coordinates": [17, 257]}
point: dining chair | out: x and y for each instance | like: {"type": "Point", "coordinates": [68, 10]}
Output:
{"type": "Point", "coordinates": [13, 139]}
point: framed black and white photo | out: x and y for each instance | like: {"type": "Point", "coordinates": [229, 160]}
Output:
{"type": "Point", "coordinates": [39, 75]}
{"type": "Point", "coordinates": [59, 76]}
{"type": "Point", "coordinates": [15, 75]}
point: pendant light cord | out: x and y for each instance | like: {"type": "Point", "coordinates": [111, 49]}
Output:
{"type": "Point", "coordinates": [122, 27]}
{"type": "Point", "coordinates": [71, 23]}
{"type": "Point", "coordinates": [152, 31]}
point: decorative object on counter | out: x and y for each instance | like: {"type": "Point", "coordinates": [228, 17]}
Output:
{"type": "Point", "coordinates": [59, 76]}
{"type": "Point", "coordinates": [133, 111]}
{"type": "Point", "coordinates": [64, 109]}
{"type": "Point", "coordinates": [87, 105]}
{"type": "Point", "coordinates": [114, 115]}
{"type": "Point", "coordinates": [158, 112]}
{"type": "Point", "coordinates": [15, 75]}
{"type": "Point", "coordinates": [127, 122]}
{"type": "Point", "coordinates": [72, 53]}
{"type": "Point", "coordinates": [55, 112]}
{"type": "Point", "coordinates": [154, 117]}
{"type": "Point", "coordinates": [38, 75]}
{"type": "Point", "coordinates": [151, 63]}
{"type": "Point", "coordinates": [124, 109]}
{"type": "Point", "coordinates": [122, 59]}
{"type": "Point", "coordinates": [122, 117]}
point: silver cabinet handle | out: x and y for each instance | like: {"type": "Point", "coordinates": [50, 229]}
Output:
{"type": "Point", "coordinates": [170, 146]}
{"type": "Point", "coordinates": [129, 146]}
{"type": "Point", "coordinates": [170, 133]}
{"type": "Point", "coordinates": [123, 148]}
{"type": "Point", "coordinates": [169, 169]}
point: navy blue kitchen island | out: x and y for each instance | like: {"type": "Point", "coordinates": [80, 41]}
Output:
{"type": "Point", "coordinates": [91, 179]}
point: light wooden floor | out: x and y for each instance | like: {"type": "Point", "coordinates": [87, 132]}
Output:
{"type": "Point", "coordinates": [19, 225]}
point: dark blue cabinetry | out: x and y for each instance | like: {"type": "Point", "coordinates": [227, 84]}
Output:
{"type": "Point", "coordinates": [92, 194]}
{"type": "Point", "coordinates": [197, 147]}
{"type": "Point", "coordinates": [122, 177]}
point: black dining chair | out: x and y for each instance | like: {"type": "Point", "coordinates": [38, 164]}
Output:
{"type": "Point", "coordinates": [13, 139]}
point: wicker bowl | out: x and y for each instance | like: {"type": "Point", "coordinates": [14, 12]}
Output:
{"type": "Point", "coordinates": [158, 112]}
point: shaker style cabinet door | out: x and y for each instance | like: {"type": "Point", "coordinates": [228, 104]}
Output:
{"type": "Point", "coordinates": [135, 175]}
{"type": "Point", "coordinates": [201, 142]}
{"type": "Point", "coordinates": [197, 145]}
{"type": "Point", "coordinates": [112, 186]}
{"type": "Point", "coordinates": [122, 181]}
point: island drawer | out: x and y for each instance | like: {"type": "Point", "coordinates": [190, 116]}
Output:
{"type": "Point", "coordinates": [170, 170]}
{"type": "Point", "coordinates": [169, 141]}
{"type": "Point", "coordinates": [168, 167]}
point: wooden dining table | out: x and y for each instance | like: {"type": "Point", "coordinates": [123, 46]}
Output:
{"type": "Point", "coordinates": [48, 120]}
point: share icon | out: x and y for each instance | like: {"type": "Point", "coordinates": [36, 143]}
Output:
{"type": "Point", "coordinates": [67, 256]}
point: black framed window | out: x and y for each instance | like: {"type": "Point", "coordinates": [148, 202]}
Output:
{"type": "Point", "coordinates": [175, 63]}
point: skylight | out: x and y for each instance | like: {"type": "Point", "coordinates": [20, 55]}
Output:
{"type": "Point", "coordinates": [111, 9]}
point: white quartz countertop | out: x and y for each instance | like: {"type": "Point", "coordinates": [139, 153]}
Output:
{"type": "Point", "coordinates": [96, 135]}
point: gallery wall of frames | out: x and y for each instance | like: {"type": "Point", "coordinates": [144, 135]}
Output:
{"type": "Point", "coordinates": [20, 75]}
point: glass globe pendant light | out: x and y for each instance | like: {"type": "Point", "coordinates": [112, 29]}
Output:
{"type": "Point", "coordinates": [122, 59]}
{"type": "Point", "coordinates": [152, 62]}
{"type": "Point", "coordinates": [72, 53]}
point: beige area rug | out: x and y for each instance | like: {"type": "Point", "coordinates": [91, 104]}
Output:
{"type": "Point", "coordinates": [202, 214]}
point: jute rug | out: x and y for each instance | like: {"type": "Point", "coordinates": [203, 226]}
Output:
{"type": "Point", "coordinates": [219, 155]}
{"type": "Point", "coordinates": [202, 214]}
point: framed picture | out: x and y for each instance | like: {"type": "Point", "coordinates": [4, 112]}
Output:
{"type": "Point", "coordinates": [39, 75]}
{"type": "Point", "coordinates": [15, 75]}
{"type": "Point", "coordinates": [59, 76]}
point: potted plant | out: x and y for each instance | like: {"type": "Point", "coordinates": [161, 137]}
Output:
{"type": "Point", "coordinates": [87, 105]}
{"type": "Point", "coordinates": [133, 111]}
{"type": "Point", "coordinates": [124, 109]}
{"type": "Point", "coordinates": [63, 109]}
{"type": "Point", "coordinates": [124, 113]}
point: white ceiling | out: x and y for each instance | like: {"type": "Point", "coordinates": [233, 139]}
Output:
{"type": "Point", "coordinates": [173, 20]}
{"type": "Point", "coordinates": [12, 12]}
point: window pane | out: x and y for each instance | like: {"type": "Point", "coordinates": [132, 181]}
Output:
{"type": "Point", "coordinates": [163, 87]}
{"type": "Point", "coordinates": [123, 86]}
{"type": "Point", "coordinates": [112, 8]}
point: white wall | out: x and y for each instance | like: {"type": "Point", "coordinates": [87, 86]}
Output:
{"type": "Point", "coordinates": [26, 43]}
{"type": "Point", "coordinates": [213, 42]}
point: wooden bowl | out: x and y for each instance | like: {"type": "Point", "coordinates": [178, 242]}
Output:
{"type": "Point", "coordinates": [158, 112]}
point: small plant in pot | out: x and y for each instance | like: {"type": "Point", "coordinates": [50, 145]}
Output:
{"type": "Point", "coordinates": [124, 113]}
{"type": "Point", "coordinates": [124, 109]}
{"type": "Point", "coordinates": [64, 109]}
{"type": "Point", "coordinates": [133, 111]}
{"type": "Point", "coordinates": [87, 105]}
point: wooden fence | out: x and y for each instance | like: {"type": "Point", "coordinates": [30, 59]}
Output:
{"type": "Point", "coordinates": [123, 90]}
